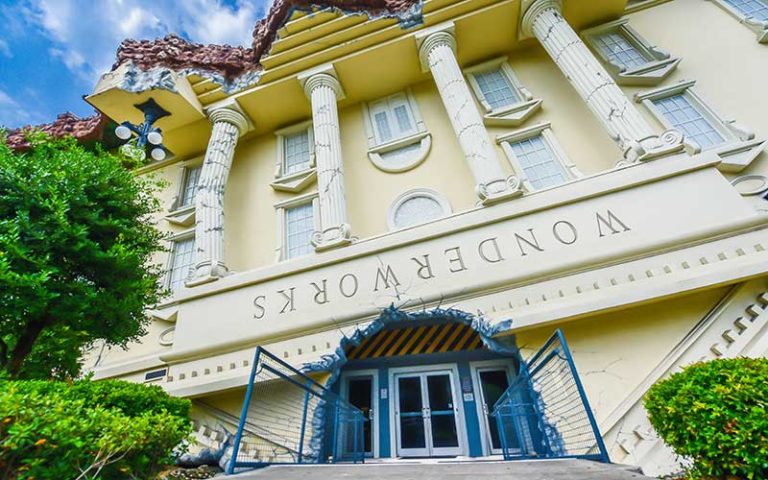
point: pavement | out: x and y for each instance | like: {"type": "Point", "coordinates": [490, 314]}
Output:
{"type": "Point", "coordinates": [449, 470]}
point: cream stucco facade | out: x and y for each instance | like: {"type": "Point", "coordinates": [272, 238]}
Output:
{"type": "Point", "coordinates": [649, 251]}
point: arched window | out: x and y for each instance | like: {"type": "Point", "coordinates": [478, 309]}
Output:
{"type": "Point", "coordinates": [415, 207]}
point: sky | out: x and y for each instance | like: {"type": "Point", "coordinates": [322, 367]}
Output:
{"type": "Point", "coordinates": [52, 52]}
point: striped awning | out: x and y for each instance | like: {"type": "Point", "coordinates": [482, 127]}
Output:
{"type": "Point", "coordinates": [425, 339]}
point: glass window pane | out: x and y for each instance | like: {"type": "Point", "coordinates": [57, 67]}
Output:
{"type": "Point", "coordinates": [191, 178]}
{"type": "Point", "coordinates": [619, 50]}
{"type": "Point", "coordinates": [381, 122]}
{"type": "Point", "coordinates": [538, 162]}
{"type": "Point", "coordinates": [757, 9]}
{"type": "Point", "coordinates": [299, 225]}
{"type": "Point", "coordinates": [417, 210]}
{"type": "Point", "coordinates": [403, 116]}
{"type": "Point", "coordinates": [181, 263]}
{"type": "Point", "coordinates": [496, 88]}
{"type": "Point", "coordinates": [409, 393]}
{"type": "Point", "coordinates": [296, 157]}
{"type": "Point", "coordinates": [684, 116]}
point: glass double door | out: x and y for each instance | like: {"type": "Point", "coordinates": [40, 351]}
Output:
{"type": "Point", "coordinates": [427, 415]}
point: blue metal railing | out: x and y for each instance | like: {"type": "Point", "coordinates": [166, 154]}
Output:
{"type": "Point", "coordinates": [545, 412]}
{"type": "Point", "coordinates": [287, 417]}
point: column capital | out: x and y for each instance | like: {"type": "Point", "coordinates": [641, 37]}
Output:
{"type": "Point", "coordinates": [326, 76]}
{"type": "Point", "coordinates": [531, 10]}
{"type": "Point", "coordinates": [230, 113]}
{"type": "Point", "coordinates": [440, 35]}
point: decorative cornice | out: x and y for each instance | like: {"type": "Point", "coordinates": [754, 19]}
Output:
{"type": "Point", "coordinates": [532, 10]}
{"type": "Point", "coordinates": [441, 35]}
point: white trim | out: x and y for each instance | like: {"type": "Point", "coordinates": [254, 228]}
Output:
{"type": "Point", "coordinates": [460, 418]}
{"type": "Point", "coordinates": [420, 135]}
{"type": "Point", "coordinates": [295, 181]}
{"type": "Point", "coordinates": [475, 368]}
{"type": "Point", "coordinates": [545, 131]}
{"type": "Point", "coordinates": [172, 242]}
{"type": "Point", "coordinates": [509, 115]}
{"type": "Point", "coordinates": [345, 376]}
{"type": "Point", "coordinates": [731, 132]}
{"type": "Point", "coordinates": [413, 193]}
{"type": "Point", "coordinates": [281, 207]}
{"type": "Point", "coordinates": [760, 27]}
{"type": "Point", "coordinates": [659, 63]}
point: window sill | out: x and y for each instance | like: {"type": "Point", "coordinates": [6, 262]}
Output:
{"type": "Point", "coordinates": [736, 156]}
{"type": "Point", "coordinates": [402, 154]}
{"type": "Point", "coordinates": [652, 73]}
{"type": "Point", "coordinates": [184, 216]}
{"type": "Point", "coordinates": [513, 115]}
{"type": "Point", "coordinates": [295, 182]}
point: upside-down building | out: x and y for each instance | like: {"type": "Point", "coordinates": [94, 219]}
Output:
{"type": "Point", "coordinates": [405, 199]}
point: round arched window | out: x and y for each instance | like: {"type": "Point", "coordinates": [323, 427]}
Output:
{"type": "Point", "coordinates": [415, 207]}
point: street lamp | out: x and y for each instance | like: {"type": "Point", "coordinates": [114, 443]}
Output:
{"type": "Point", "coordinates": [148, 137]}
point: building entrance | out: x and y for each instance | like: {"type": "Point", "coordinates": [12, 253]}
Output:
{"type": "Point", "coordinates": [427, 414]}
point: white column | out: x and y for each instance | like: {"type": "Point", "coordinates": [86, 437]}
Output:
{"type": "Point", "coordinates": [634, 136]}
{"type": "Point", "coordinates": [324, 90]}
{"type": "Point", "coordinates": [228, 125]}
{"type": "Point", "coordinates": [437, 52]}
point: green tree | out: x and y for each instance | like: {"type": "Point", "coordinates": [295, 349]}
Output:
{"type": "Point", "coordinates": [76, 240]}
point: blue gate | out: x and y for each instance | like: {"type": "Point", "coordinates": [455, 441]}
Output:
{"type": "Point", "coordinates": [288, 417]}
{"type": "Point", "coordinates": [545, 412]}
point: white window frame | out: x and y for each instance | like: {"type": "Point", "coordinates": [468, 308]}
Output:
{"type": "Point", "coordinates": [183, 216]}
{"type": "Point", "coordinates": [413, 193]}
{"type": "Point", "coordinates": [545, 131]}
{"type": "Point", "coordinates": [296, 181]}
{"type": "Point", "coordinates": [281, 251]}
{"type": "Point", "coordinates": [659, 63]}
{"type": "Point", "coordinates": [172, 242]}
{"type": "Point", "coordinates": [760, 27]}
{"type": "Point", "coordinates": [511, 115]}
{"type": "Point", "coordinates": [378, 150]}
{"type": "Point", "coordinates": [740, 147]}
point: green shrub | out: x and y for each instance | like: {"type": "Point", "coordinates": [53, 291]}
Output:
{"type": "Point", "coordinates": [716, 414]}
{"type": "Point", "coordinates": [109, 430]}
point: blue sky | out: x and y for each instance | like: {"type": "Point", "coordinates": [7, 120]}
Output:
{"type": "Point", "coordinates": [53, 51]}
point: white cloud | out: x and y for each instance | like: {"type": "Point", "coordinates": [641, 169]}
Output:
{"type": "Point", "coordinates": [12, 113]}
{"type": "Point", "coordinates": [86, 37]}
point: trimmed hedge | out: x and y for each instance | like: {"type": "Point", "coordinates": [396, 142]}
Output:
{"type": "Point", "coordinates": [110, 430]}
{"type": "Point", "coordinates": [716, 414]}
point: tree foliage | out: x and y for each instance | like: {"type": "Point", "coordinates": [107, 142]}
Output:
{"type": "Point", "coordinates": [76, 242]}
{"type": "Point", "coordinates": [716, 414]}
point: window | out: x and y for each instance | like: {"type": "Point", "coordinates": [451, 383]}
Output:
{"type": "Point", "coordinates": [618, 50]}
{"type": "Point", "coordinates": [182, 256]}
{"type": "Point", "coordinates": [415, 207]}
{"type": "Point", "coordinates": [295, 166]}
{"type": "Point", "coordinates": [189, 186]}
{"type": "Point", "coordinates": [678, 107]}
{"type": "Point", "coordinates": [504, 100]}
{"type": "Point", "coordinates": [297, 152]}
{"type": "Point", "coordinates": [752, 13]}
{"type": "Point", "coordinates": [629, 57]}
{"type": "Point", "coordinates": [392, 118]}
{"type": "Point", "coordinates": [398, 140]}
{"type": "Point", "coordinates": [496, 88]}
{"type": "Point", "coordinates": [679, 112]}
{"type": "Point", "coordinates": [299, 225]}
{"type": "Point", "coordinates": [756, 9]}
{"type": "Point", "coordinates": [537, 157]}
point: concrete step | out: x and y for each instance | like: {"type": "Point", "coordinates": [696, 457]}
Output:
{"type": "Point", "coordinates": [487, 470]}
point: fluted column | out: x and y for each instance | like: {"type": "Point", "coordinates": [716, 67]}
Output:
{"type": "Point", "coordinates": [437, 52]}
{"type": "Point", "coordinates": [624, 123]}
{"type": "Point", "coordinates": [324, 91]}
{"type": "Point", "coordinates": [209, 265]}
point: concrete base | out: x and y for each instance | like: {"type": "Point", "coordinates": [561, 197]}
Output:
{"type": "Point", "coordinates": [450, 470]}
